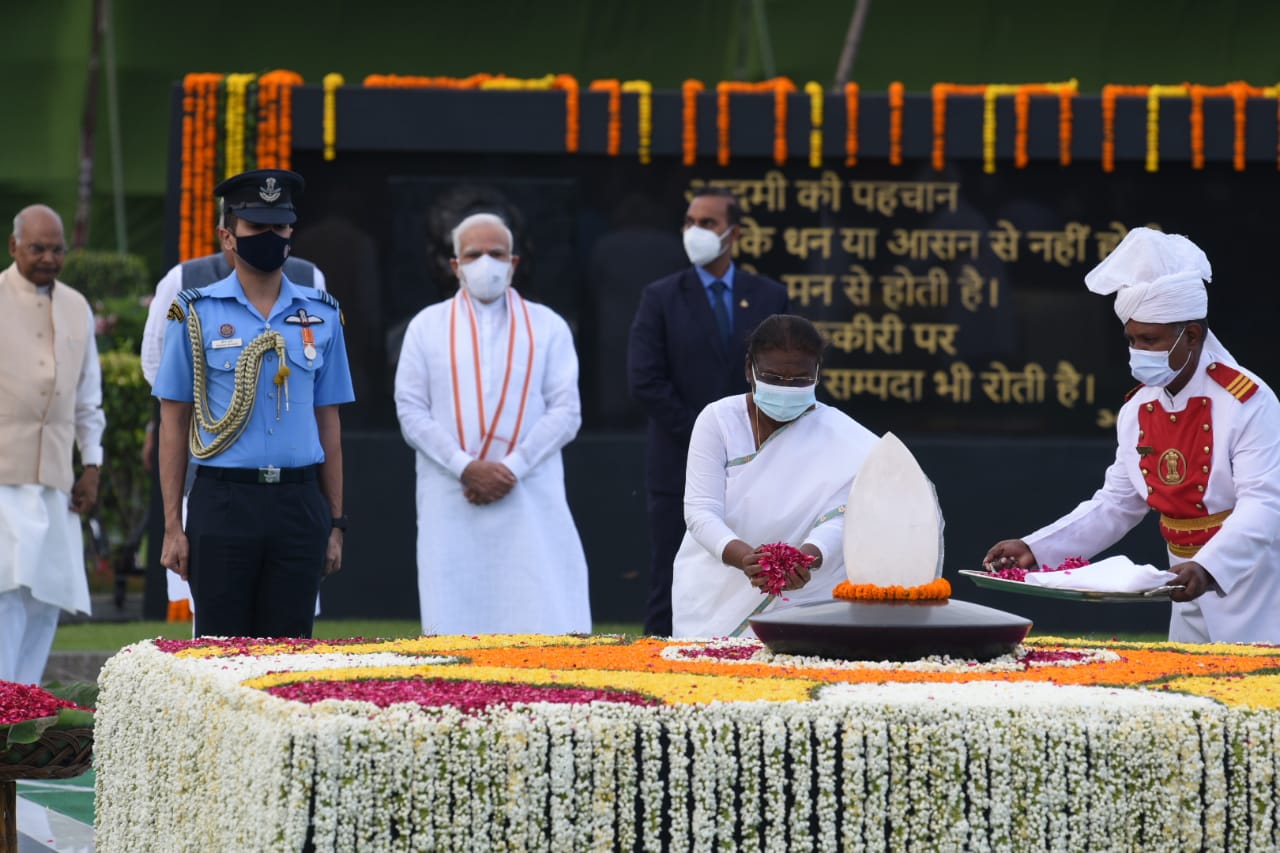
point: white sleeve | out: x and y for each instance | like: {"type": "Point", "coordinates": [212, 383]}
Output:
{"type": "Point", "coordinates": [1098, 523]}
{"type": "Point", "coordinates": [318, 281]}
{"type": "Point", "coordinates": [563, 413]}
{"type": "Point", "coordinates": [157, 314]}
{"type": "Point", "coordinates": [90, 420]}
{"type": "Point", "coordinates": [704, 485]}
{"type": "Point", "coordinates": [413, 404]}
{"type": "Point", "coordinates": [1233, 552]}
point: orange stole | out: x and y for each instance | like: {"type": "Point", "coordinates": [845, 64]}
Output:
{"type": "Point", "coordinates": [1175, 455]}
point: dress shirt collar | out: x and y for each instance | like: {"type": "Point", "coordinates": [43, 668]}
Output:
{"type": "Point", "coordinates": [707, 278]}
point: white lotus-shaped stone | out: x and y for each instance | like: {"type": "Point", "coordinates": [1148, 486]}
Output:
{"type": "Point", "coordinates": [892, 521]}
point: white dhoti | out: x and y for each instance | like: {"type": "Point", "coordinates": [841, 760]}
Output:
{"type": "Point", "coordinates": [41, 572]}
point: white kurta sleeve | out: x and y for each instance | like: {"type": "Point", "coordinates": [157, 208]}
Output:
{"type": "Point", "coordinates": [1096, 524]}
{"type": "Point", "coordinates": [1235, 550]}
{"type": "Point", "coordinates": [90, 420]}
{"type": "Point", "coordinates": [418, 424]}
{"type": "Point", "coordinates": [157, 314]}
{"type": "Point", "coordinates": [563, 410]}
{"type": "Point", "coordinates": [704, 485]}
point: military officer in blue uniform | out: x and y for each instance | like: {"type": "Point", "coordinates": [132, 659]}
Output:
{"type": "Point", "coordinates": [253, 371]}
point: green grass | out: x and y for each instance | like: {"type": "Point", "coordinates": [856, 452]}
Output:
{"type": "Point", "coordinates": [110, 636]}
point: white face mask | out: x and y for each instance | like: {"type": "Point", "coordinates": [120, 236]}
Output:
{"type": "Point", "coordinates": [703, 245]}
{"type": "Point", "coordinates": [1151, 367]}
{"type": "Point", "coordinates": [486, 277]}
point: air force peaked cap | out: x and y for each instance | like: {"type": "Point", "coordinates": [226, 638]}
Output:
{"type": "Point", "coordinates": [264, 196]}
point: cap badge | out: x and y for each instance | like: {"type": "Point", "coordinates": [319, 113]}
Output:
{"type": "Point", "coordinates": [269, 192]}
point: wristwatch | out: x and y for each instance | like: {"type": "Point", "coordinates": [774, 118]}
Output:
{"type": "Point", "coordinates": [340, 522]}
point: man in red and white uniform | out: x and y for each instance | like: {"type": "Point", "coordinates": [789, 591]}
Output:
{"type": "Point", "coordinates": [1199, 442]}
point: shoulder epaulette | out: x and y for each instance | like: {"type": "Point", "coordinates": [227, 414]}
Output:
{"type": "Point", "coordinates": [328, 299]}
{"type": "Point", "coordinates": [182, 302]}
{"type": "Point", "coordinates": [1237, 384]}
{"type": "Point", "coordinates": [1134, 390]}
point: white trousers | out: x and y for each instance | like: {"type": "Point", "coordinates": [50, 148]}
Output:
{"type": "Point", "coordinates": [27, 627]}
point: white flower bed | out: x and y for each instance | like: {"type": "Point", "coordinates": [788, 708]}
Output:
{"type": "Point", "coordinates": [189, 759]}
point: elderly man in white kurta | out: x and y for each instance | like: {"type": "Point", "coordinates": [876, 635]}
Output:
{"type": "Point", "coordinates": [487, 394]}
{"type": "Point", "coordinates": [50, 396]}
{"type": "Point", "coordinates": [1199, 442]}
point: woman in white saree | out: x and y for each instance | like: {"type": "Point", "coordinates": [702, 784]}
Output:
{"type": "Point", "coordinates": [769, 466]}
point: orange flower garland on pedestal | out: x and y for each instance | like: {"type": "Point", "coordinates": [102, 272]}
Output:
{"type": "Point", "coordinates": [689, 91]}
{"type": "Point", "coordinates": [937, 590]}
{"type": "Point", "coordinates": [896, 101]}
{"type": "Point", "coordinates": [781, 88]}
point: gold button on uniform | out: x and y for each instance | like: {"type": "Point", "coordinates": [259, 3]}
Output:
{"type": "Point", "coordinates": [1150, 408]}
{"type": "Point", "coordinates": [1206, 448]}
{"type": "Point", "coordinates": [1145, 472]}
{"type": "Point", "coordinates": [1199, 488]}
{"type": "Point", "coordinates": [1173, 419]}
{"type": "Point", "coordinates": [1206, 427]}
{"type": "Point", "coordinates": [1204, 468]}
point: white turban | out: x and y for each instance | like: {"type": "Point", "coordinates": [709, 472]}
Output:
{"type": "Point", "coordinates": [1156, 277]}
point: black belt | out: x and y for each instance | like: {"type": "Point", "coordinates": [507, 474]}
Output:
{"type": "Point", "coordinates": [259, 475]}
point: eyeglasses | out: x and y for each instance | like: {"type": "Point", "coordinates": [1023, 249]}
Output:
{"type": "Point", "coordinates": [784, 381]}
{"type": "Point", "coordinates": [40, 249]}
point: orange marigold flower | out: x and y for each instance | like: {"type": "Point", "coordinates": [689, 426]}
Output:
{"type": "Point", "coordinates": [938, 590]}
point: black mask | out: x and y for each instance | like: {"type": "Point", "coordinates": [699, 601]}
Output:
{"type": "Point", "coordinates": [265, 251]}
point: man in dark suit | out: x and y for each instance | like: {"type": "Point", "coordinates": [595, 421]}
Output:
{"type": "Point", "coordinates": [688, 348]}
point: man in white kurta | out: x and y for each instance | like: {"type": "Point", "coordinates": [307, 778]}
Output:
{"type": "Point", "coordinates": [50, 396]}
{"type": "Point", "coordinates": [1199, 442]}
{"type": "Point", "coordinates": [487, 394]}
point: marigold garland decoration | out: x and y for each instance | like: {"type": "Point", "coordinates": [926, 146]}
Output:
{"type": "Point", "coordinates": [689, 91]}
{"type": "Point", "coordinates": [1109, 95]}
{"type": "Point", "coordinates": [1022, 94]}
{"type": "Point", "coordinates": [561, 82]}
{"type": "Point", "coordinates": [781, 87]}
{"type": "Point", "coordinates": [643, 89]}
{"type": "Point", "coordinates": [237, 90]}
{"type": "Point", "coordinates": [936, 590]}
{"type": "Point", "coordinates": [1154, 94]}
{"type": "Point", "coordinates": [199, 158]}
{"type": "Point", "coordinates": [332, 82]}
{"type": "Point", "coordinates": [1239, 92]}
{"type": "Point", "coordinates": [815, 92]}
{"type": "Point", "coordinates": [896, 101]}
{"type": "Point", "coordinates": [851, 95]}
{"type": "Point", "coordinates": [613, 88]}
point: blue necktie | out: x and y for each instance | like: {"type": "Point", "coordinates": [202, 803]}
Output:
{"type": "Point", "coordinates": [722, 313]}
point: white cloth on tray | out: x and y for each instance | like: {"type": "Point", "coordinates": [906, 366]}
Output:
{"type": "Point", "coordinates": [1114, 574]}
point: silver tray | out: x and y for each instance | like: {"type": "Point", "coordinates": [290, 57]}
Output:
{"type": "Point", "coordinates": [989, 581]}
